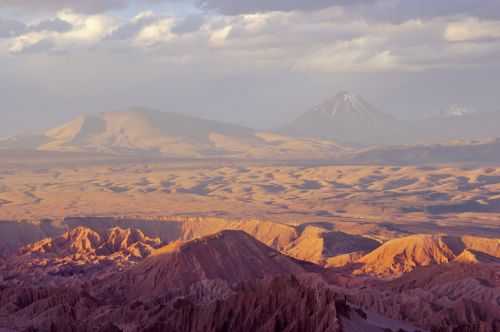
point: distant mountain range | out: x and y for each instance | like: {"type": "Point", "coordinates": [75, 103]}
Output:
{"type": "Point", "coordinates": [457, 110]}
{"type": "Point", "coordinates": [472, 152]}
{"type": "Point", "coordinates": [148, 132]}
{"type": "Point", "coordinates": [344, 128]}
{"type": "Point", "coordinates": [349, 119]}
{"type": "Point", "coordinates": [346, 118]}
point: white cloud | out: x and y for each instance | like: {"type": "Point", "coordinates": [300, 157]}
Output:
{"type": "Point", "coordinates": [358, 55]}
{"type": "Point", "coordinates": [156, 32]}
{"type": "Point", "coordinates": [279, 54]}
{"type": "Point", "coordinates": [472, 29]}
{"type": "Point", "coordinates": [87, 28]}
{"type": "Point", "coordinates": [257, 22]}
{"type": "Point", "coordinates": [142, 16]}
{"type": "Point", "coordinates": [328, 40]}
{"type": "Point", "coordinates": [219, 36]}
{"type": "Point", "coordinates": [28, 40]}
{"type": "Point", "coordinates": [82, 30]}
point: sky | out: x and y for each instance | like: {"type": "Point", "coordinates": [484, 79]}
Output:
{"type": "Point", "coordinates": [258, 63]}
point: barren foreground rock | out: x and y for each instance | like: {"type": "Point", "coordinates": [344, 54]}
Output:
{"type": "Point", "coordinates": [230, 281]}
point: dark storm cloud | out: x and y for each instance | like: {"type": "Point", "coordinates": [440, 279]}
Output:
{"type": "Point", "coordinates": [11, 28]}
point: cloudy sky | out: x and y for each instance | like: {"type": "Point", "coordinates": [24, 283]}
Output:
{"type": "Point", "coordinates": [254, 62]}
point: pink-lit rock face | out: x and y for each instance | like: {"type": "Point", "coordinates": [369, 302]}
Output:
{"type": "Point", "coordinates": [78, 255]}
{"type": "Point", "coordinates": [230, 256]}
{"type": "Point", "coordinates": [456, 296]}
{"type": "Point", "coordinates": [229, 281]}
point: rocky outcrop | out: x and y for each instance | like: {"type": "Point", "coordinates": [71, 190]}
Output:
{"type": "Point", "coordinates": [448, 298]}
{"type": "Point", "coordinates": [230, 256]}
{"type": "Point", "coordinates": [229, 281]}
{"type": "Point", "coordinates": [474, 257]}
{"type": "Point", "coordinates": [402, 255]}
{"type": "Point", "coordinates": [77, 255]}
{"type": "Point", "coordinates": [310, 242]}
{"type": "Point", "coordinates": [85, 241]}
{"type": "Point", "coordinates": [319, 245]}
{"type": "Point", "coordinates": [276, 304]}
{"type": "Point", "coordinates": [279, 304]}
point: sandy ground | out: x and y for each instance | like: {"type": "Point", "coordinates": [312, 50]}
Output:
{"type": "Point", "coordinates": [357, 199]}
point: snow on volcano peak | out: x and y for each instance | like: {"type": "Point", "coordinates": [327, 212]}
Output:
{"type": "Point", "coordinates": [457, 110]}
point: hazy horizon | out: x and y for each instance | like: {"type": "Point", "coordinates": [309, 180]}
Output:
{"type": "Point", "coordinates": [256, 64]}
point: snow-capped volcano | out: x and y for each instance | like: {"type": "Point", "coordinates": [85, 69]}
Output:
{"type": "Point", "coordinates": [457, 110]}
{"type": "Point", "coordinates": [345, 102]}
{"type": "Point", "coordinates": [346, 117]}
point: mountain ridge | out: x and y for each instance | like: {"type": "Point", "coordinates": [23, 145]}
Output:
{"type": "Point", "coordinates": [346, 118]}
{"type": "Point", "coordinates": [151, 132]}
{"type": "Point", "coordinates": [365, 135]}
{"type": "Point", "coordinates": [231, 256]}
{"type": "Point", "coordinates": [402, 255]}
{"type": "Point", "coordinates": [272, 293]}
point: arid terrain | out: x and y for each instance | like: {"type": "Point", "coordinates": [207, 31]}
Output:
{"type": "Point", "coordinates": [249, 166]}
{"type": "Point", "coordinates": [379, 201]}
{"type": "Point", "coordinates": [172, 245]}
{"type": "Point", "coordinates": [156, 221]}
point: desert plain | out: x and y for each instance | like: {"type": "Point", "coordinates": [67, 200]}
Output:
{"type": "Point", "coordinates": [381, 201]}
{"type": "Point", "coordinates": [366, 237]}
